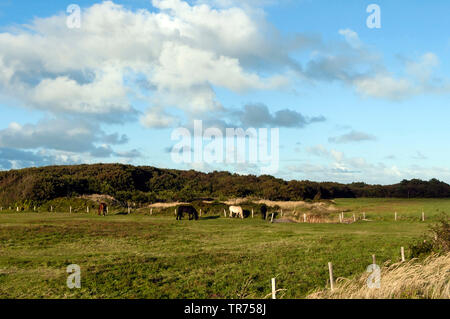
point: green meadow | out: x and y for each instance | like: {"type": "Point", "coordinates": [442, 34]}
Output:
{"type": "Point", "coordinates": [154, 256]}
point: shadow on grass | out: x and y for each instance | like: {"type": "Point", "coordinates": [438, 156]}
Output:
{"type": "Point", "coordinates": [209, 217]}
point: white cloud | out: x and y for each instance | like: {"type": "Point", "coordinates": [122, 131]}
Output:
{"type": "Point", "coordinates": [386, 87]}
{"type": "Point", "coordinates": [352, 136]}
{"type": "Point", "coordinates": [418, 79]}
{"type": "Point", "coordinates": [182, 52]}
{"type": "Point", "coordinates": [351, 37]}
{"type": "Point", "coordinates": [62, 135]}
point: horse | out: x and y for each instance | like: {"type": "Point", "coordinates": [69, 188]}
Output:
{"type": "Point", "coordinates": [103, 209]}
{"type": "Point", "coordinates": [187, 209]}
{"type": "Point", "coordinates": [236, 210]}
{"type": "Point", "coordinates": [263, 211]}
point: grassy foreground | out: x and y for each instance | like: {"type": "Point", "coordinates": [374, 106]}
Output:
{"type": "Point", "coordinates": [141, 256]}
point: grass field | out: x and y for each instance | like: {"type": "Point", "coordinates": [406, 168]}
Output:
{"type": "Point", "coordinates": [142, 256]}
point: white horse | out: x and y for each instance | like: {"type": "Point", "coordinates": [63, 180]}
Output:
{"type": "Point", "coordinates": [236, 210]}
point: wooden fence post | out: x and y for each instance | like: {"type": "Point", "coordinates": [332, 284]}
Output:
{"type": "Point", "coordinates": [395, 216]}
{"type": "Point", "coordinates": [51, 209]}
{"type": "Point", "coordinates": [373, 260]}
{"type": "Point", "coordinates": [330, 270]}
{"type": "Point", "coordinates": [70, 210]}
{"type": "Point", "coordinates": [151, 211]}
{"type": "Point", "coordinates": [271, 220]}
{"type": "Point", "coordinates": [252, 212]}
{"type": "Point", "coordinates": [354, 218]}
{"type": "Point", "coordinates": [200, 213]}
{"type": "Point", "coordinates": [224, 213]}
{"type": "Point", "coordinates": [423, 216]}
{"type": "Point", "coordinates": [17, 208]}
{"type": "Point", "coordinates": [304, 218]}
{"type": "Point", "coordinates": [364, 215]}
{"type": "Point", "coordinates": [281, 213]}
{"type": "Point", "coordinates": [87, 209]}
{"type": "Point", "coordinates": [274, 290]}
{"type": "Point", "coordinates": [340, 217]}
{"type": "Point", "coordinates": [402, 250]}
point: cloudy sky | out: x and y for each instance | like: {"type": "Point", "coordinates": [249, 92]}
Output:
{"type": "Point", "coordinates": [352, 103]}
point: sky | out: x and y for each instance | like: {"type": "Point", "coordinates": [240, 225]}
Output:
{"type": "Point", "coordinates": [351, 102]}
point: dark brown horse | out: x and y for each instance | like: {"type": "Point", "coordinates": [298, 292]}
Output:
{"type": "Point", "coordinates": [188, 209]}
{"type": "Point", "coordinates": [103, 209]}
{"type": "Point", "coordinates": [263, 211]}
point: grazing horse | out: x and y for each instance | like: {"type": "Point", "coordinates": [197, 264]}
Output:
{"type": "Point", "coordinates": [188, 210]}
{"type": "Point", "coordinates": [102, 210]}
{"type": "Point", "coordinates": [263, 211]}
{"type": "Point", "coordinates": [236, 210]}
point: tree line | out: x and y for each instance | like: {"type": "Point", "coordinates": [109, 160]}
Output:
{"type": "Point", "coordinates": [145, 184]}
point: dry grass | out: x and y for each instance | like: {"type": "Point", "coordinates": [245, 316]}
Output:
{"type": "Point", "coordinates": [428, 279]}
{"type": "Point", "coordinates": [293, 211]}
{"type": "Point", "coordinates": [166, 205]}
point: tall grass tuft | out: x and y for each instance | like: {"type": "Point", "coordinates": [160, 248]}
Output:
{"type": "Point", "coordinates": [426, 279]}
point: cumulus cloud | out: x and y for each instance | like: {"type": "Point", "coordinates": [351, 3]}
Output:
{"type": "Point", "coordinates": [351, 37]}
{"type": "Point", "coordinates": [63, 136]}
{"type": "Point", "coordinates": [181, 52]}
{"type": "Point", "coordinates": [11, 158]}
{"type": "Point", "coordinates": [417, 79]}
{"type": "Point", "coordinates": [258, 115]}
{"type": "Point", "coordinates": [337, 166]}
{"type": "Point", "coordinates": [57, 134]}
{"type": "Point", "coordinates": [353, 136]}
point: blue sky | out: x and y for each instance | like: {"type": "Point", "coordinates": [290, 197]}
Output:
{"type": "Point", "coordinates": [351, 103]}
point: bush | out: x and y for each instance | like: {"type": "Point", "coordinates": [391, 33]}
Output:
{"type": "Point", "coordinates": [436, 242]}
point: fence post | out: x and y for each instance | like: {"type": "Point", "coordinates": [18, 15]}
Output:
{"type": "Point", "coordinates": [151, 211]}
{"type": "Point", "coordinates": [281, 213]}
{"type": "Point", "coordinates": [423, 216]}
{"type": "Point", "coordinates": [402, 250]}
{"type": "Point", "coordinates": [17, 208]}
{"type": "Point", "coordinates": [87, 209]}
{"type": "Point", "coordinates": [200, 213]}
{"type": "Point", "coordinates": [373, 260]}
{"type": "Point", "coordinates": [330, 270]}
{"type": "Point", "coordinates": [395, 216]}
{"type": "Point", "coordinates": [340, 217]}
{"type": "Point", "coordinates": [107, 210]}
{"type": "Point", "coordinates": [274, 291]}
{"type": "Point", "coordinates": [34, 208]}
{"type": "Point", "coordinates": [224, 213]}
{"type": "Point", "coordinates": [304, 218]}
{"type": "Point", "coordinates": [51, 209]}
{"type": "Point", "coordinates": [364, 215]}
{"type": "Point", "coordinates": [354, 218]}
{"type": "Point", "coordinates": [70, 210]}
{"type": "Point", "coordinates": [271, 219]}
{"type": "Point", "coordinates": [252, 212]}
